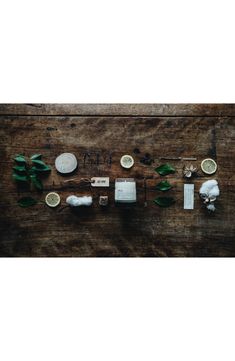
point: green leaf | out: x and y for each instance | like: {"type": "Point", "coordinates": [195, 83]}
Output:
{"type": "Point", "coordinates": [163, 186]}
{"type": "Point", "coordinates": [165, 169]}
{"type": "Point", "coordinates": [26, 202]}
{"type": "Point", "coordinates": [19, 168]}
{"type": "Point", "coordinates": [36, 182]}
{"type": "Point", "coordinates": [19, 178]}
{"type": "Point", "coordinates": [46, 168]}
{"type": "Point", "coordinates": [38, 163]}
{"type": "Point", "coordinates": [164, 201]}
{"type": "Point", "coordinates": [32, 171]}
{"type": "Point", "coordinates": [36, 157]}
{"type": "Point", "coordinates": [20, 159]}
{"type": "Point", "coordinates": [40, 166]}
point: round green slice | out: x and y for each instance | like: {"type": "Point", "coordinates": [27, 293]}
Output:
{"type": "Point", "coordinates": [209, 166]}
{"type": "Point", "coordinates": [52, 199]}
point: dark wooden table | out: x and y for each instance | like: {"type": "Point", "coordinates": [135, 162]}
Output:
{"type": "Point", "coordinates": [99, 135]}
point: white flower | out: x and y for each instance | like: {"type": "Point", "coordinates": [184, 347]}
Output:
{"type": "Point", "coordinates": [188, 171]}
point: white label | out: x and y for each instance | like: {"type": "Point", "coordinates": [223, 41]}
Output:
{"type": "Point", "coordinates": [100, 182]}
{"type": "Point", "coordinates": [188, 196]}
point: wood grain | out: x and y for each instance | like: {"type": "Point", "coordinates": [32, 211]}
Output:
{"type": "Point", "coordinates": [190, 110]}
{"type": "Point", "coordinates": [162, 130]}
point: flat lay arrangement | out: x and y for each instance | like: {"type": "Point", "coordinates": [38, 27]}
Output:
{"type": "Point", "coordinates": [126, 180]}
{"type": "Point", "coordinates": [125, 188]}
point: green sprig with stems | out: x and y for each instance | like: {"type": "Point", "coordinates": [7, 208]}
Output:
{"type": "Point", "coordinates": [28, 171]}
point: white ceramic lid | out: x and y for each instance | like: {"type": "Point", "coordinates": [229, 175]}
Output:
{"type": "Point", "coordinates": [66, 163]}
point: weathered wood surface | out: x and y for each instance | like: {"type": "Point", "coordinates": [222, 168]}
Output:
{"type": "Point", "coordinates": [162, 130]}
{"type": "Point", "coordinates": [189, 110]}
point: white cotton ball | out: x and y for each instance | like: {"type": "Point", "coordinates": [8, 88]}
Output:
{"type": "Point", "coordinates": [211, 207]}
{"type": "Point", "coordinates": [75, 201]}
{"type": "Point", "coordinates": [86, 201]}
{"type": "Point", "coordinates": [210, 188]}
{"type": "Point", "coordinates": [72, 201]}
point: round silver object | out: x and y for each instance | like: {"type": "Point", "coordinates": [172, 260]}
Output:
{"type": "Point", "coordinates": [66, 163]}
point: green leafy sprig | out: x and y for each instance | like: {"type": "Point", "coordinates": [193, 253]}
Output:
{"type": "Point", "coordinates": [29, 171]}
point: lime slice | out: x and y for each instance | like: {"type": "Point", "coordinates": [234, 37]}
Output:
{"type": "Point", "coordinates": [127, 161]}
{"type": "Point", "coordinates": [52, 199]}
{"type": "Point", "coordinates": [209, 166]}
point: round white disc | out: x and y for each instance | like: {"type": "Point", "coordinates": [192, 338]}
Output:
{"type": "Point", "coordinates": [66, 163]}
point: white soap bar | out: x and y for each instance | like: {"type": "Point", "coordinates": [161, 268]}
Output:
{"type": "Point", "coordinates": [125, 190]}
{"type": "Point", "coordinates": [188, 196]}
